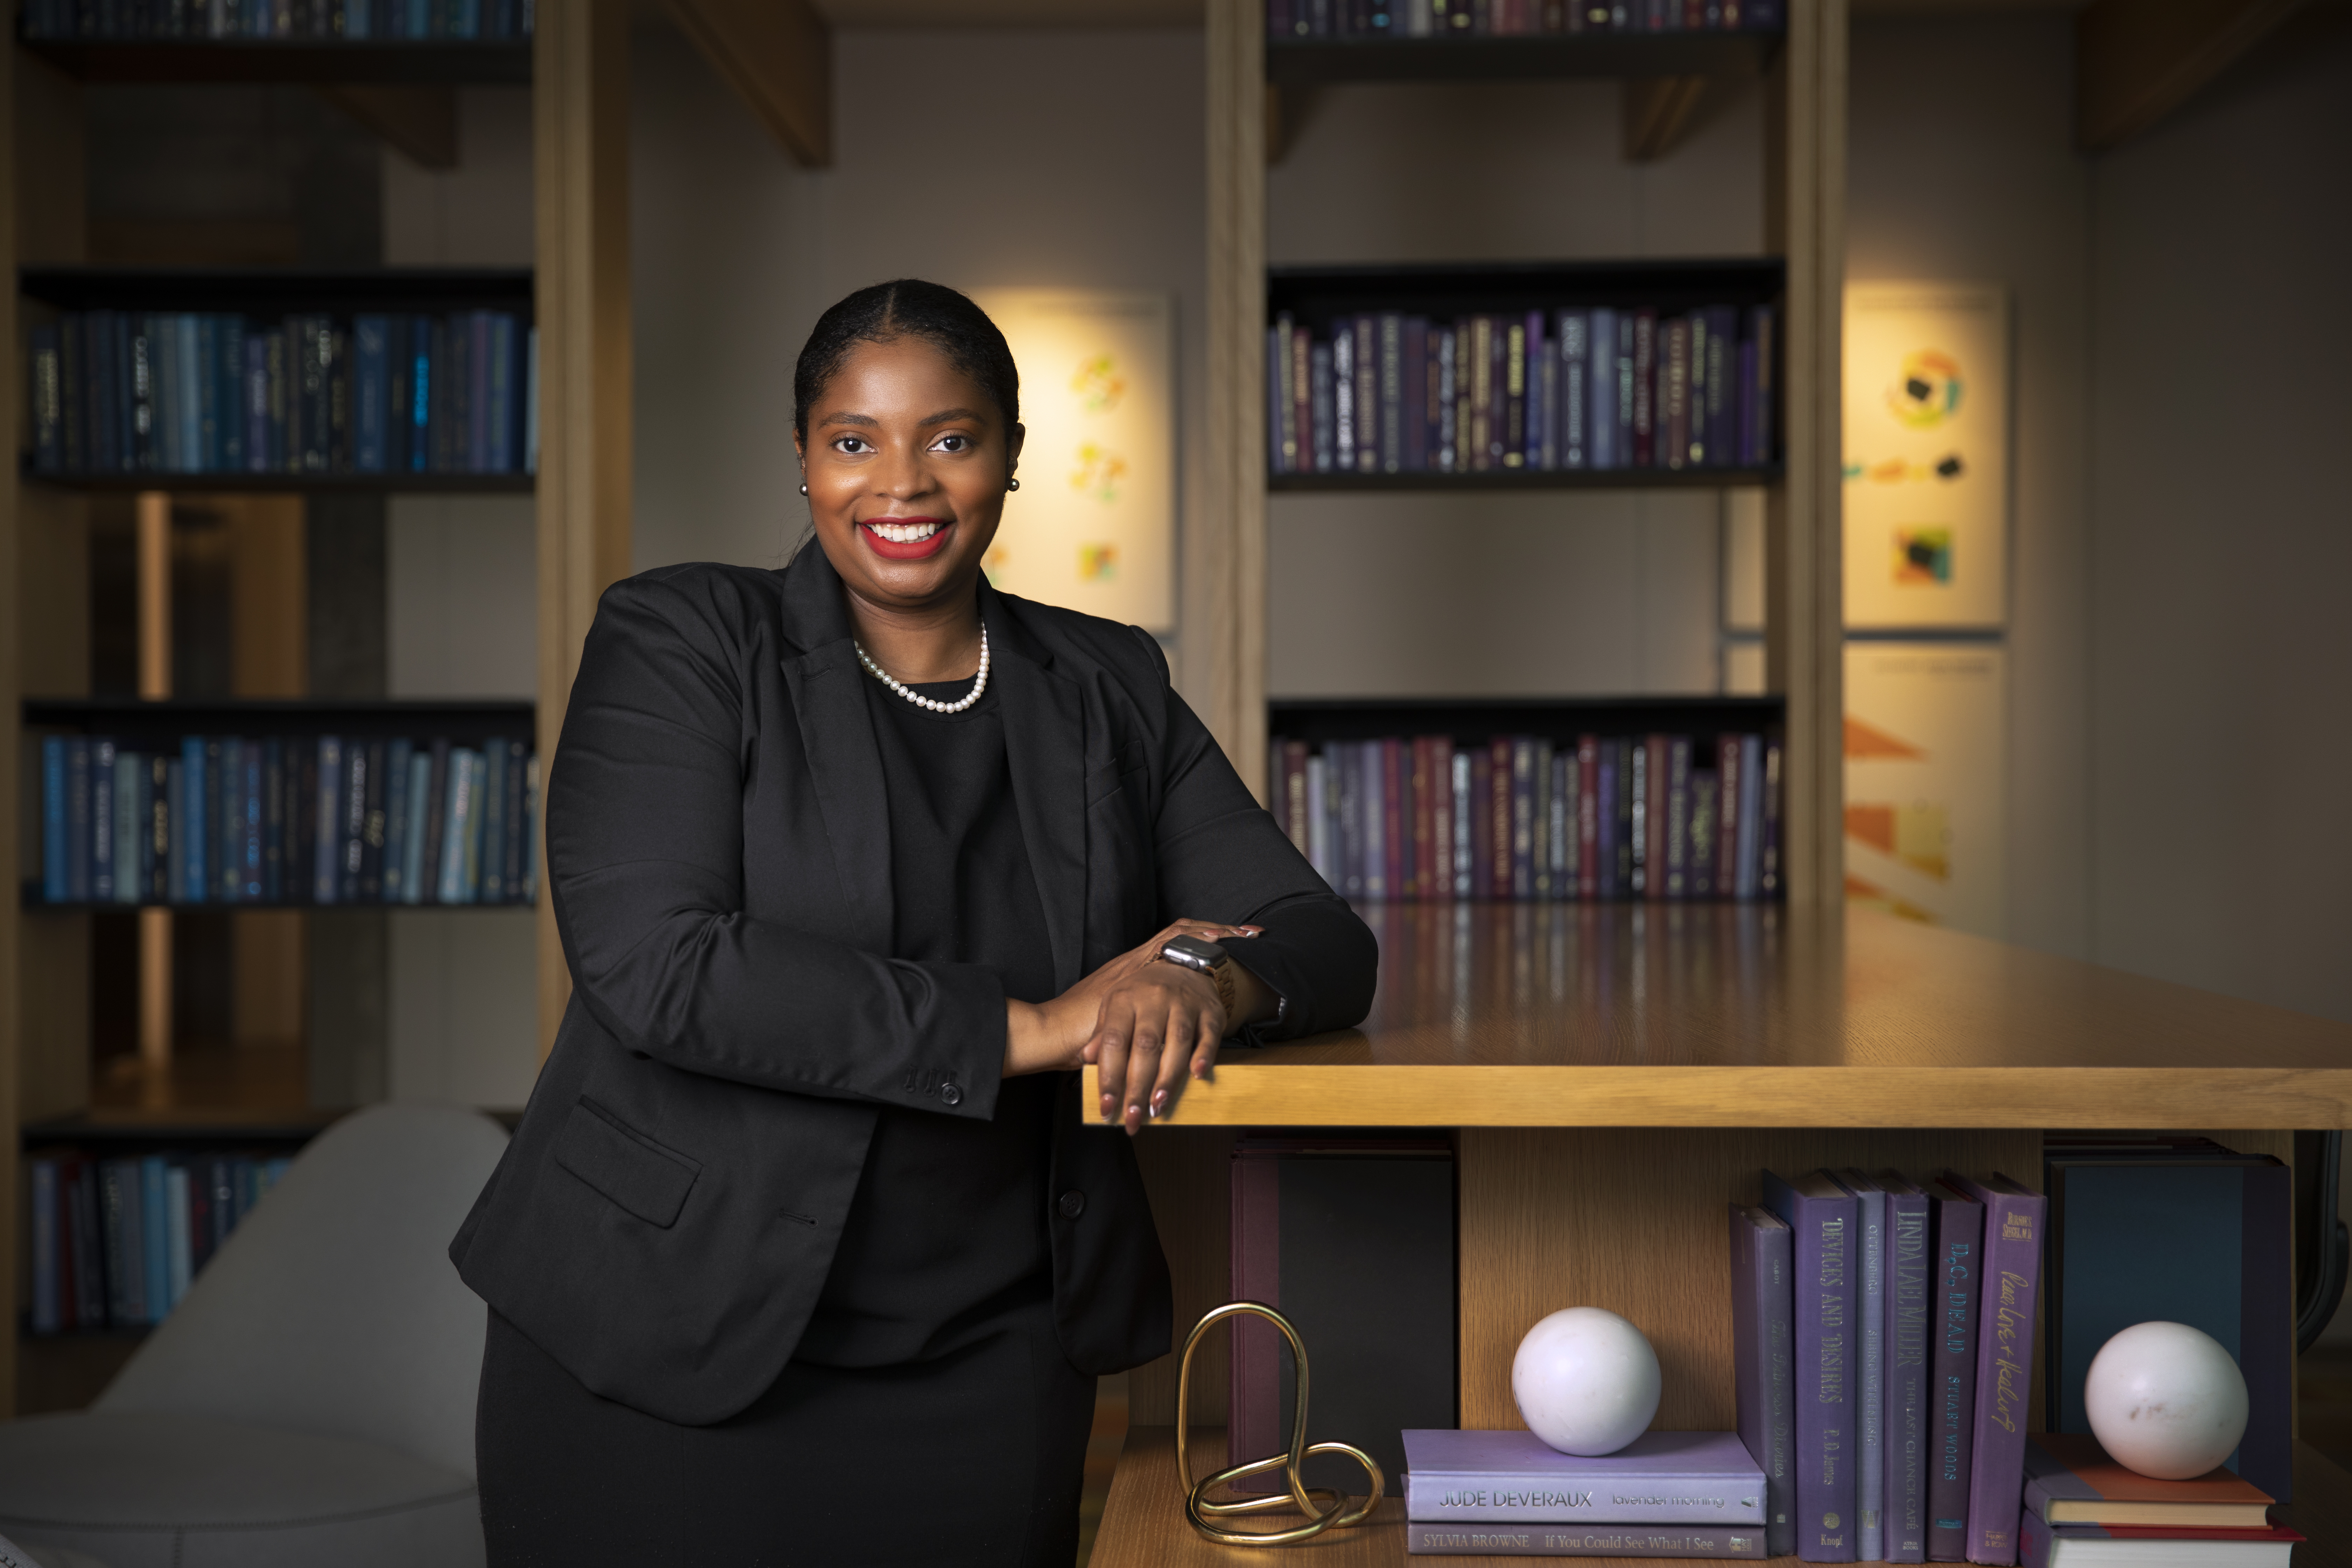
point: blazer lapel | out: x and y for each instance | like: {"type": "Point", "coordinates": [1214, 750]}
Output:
{"type": "Point", "coordinates": [844, 761]}
{"type": "Point", "coordinates": [1045, 744]}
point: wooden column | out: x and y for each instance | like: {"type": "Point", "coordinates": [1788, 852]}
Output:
{"type": "Point", "coordinates": [1225, 587]}
{"type": "Point", "coordinates": [1804, 634]}
{"type": "Point", "coordinates": [580, 105]}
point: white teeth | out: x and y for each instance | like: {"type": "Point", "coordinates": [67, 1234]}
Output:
{"type": "Point", "coordinates": [904, 533]}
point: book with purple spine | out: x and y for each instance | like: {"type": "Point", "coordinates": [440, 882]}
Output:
{"type": "Point", "coordinates": [2014, 1223]}
{"type": "Point", "coordinates": [1824, 1219]}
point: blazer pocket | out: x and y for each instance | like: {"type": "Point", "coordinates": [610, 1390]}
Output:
{"type": "Point", "coordinates": [1109, 778]}
{"type": "Point", "coordinates": [640, 1176]}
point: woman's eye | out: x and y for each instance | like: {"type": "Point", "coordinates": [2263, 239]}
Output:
{"type": "Point", "coordinates": [852, 446]}
{"type": "Point", "coordinates": [953, 441]}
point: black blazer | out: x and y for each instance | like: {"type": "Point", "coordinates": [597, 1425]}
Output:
{"type": "Point", "coordinates": [718, 856]}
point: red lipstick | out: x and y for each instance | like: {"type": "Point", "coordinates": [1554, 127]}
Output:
{"type": "Point", "coordinates": [907, 549]}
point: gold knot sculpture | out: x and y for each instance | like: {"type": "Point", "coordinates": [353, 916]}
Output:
{"type": "Point", "coordinates": [1325, 1510]}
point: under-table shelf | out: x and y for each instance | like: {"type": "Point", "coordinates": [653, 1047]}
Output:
{"type": "Point", "coordinates": [1656, 1015]}
{"type": "Point", "coordinates": [1143, 1523]}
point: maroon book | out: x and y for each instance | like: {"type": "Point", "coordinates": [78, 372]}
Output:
{"type": "Point", "coordinates": [1499, 824]}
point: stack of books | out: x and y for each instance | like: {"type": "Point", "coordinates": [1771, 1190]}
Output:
{"type": "Point", "coordinates": [2084, 1511]}
{"type": "Point", "coordinates": [1506, 1494]}
{"type": "Point", "coordinates": [1288, 21]}
{"type": "Point", "coordinates": [322, 21]}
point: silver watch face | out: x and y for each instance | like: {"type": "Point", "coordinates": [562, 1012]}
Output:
{"type": "Point", "coordinates": [1193, 952]}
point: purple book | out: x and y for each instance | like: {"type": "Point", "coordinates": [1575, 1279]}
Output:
{"type": "Point", "coordinates": [1660, 1477]}
{"type": "Point", "coordinates": [2014, 1221]}
{"type": "Point", "coordinates": [1763, 1380]}
{"type": "Point", "coordinates": [1909, 1291]}
{"type": "Point", "coordinates": [1825, 1222]}
{"type": "Point", "coordinates": [1583, 1541]}
{"type": "Point", "coordinates": [1956, 1238]}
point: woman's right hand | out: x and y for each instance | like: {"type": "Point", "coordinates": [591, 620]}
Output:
{"type": "Point", "coordinates": [1051, 1036]}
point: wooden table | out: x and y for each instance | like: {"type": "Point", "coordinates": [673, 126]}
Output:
{"type": "Point", "coordinates": [1615, 1074]}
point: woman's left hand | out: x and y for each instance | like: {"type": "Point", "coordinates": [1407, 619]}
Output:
{"type": "Point", "coordinates": [1156, 1021]}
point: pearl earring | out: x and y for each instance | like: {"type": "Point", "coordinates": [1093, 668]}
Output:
{"type": "Point", "coordinates": [804, 489]}
{"type": "Point", "coordinates": [1012, 484]}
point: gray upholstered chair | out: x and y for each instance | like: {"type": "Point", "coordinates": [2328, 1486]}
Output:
{"type": "Point", "coordinates": [312, 1400]}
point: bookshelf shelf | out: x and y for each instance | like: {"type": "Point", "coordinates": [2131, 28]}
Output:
{"type": "Point", "coordinates": [1315, 719]}
{"type": "Point", "coordinates": [1143, 1523]}
{"type": "Point", "coordinates": [1308, 63]}
{"type": "Point", "coordinates": [1513, 480]}
{"type": "Point", "coordinates": [460, 718]}
{"type": "Point", "coordinates": [1434, 287]}
{"type": "Point", "coordinates": [437, 63]}
{"type": "Point", "coordinates": [134, 1129]}
{"type": "Point", "coordinates": [290, 484]}
{"type": "Point", "coordinates": [278, 290]}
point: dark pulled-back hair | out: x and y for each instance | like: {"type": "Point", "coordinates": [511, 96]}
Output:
{"type": "Point", "coordinates": [907, 307]}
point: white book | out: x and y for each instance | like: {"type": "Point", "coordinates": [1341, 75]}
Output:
{"type": "Point", "coordinates": [1462, 859]}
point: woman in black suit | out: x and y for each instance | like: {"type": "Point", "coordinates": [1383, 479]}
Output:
{"type": "Point", "coordinates": [804, 1251]}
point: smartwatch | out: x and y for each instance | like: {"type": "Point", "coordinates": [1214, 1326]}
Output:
{"type": "Point", "coordinates": [1205, 958]}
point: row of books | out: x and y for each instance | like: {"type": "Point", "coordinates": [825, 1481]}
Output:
{"type": "Point", "coordinates": [323, 21]}
{"type": "Point", "coordinates": [1519, 817]}
{"type": "Point", "coordinates": [1286, 20]}
{"type": "Point", "coordinates": [115, 1242]}
{"type": "Point", "coordinates": [209, 393]}
{"type": "Point", "coordinates": [226, 820]}
{"type": "Point", "coordinates": [1537, 392]}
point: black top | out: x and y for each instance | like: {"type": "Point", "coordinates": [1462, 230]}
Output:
{"type": "Point", "coordinates": [948, 1229]}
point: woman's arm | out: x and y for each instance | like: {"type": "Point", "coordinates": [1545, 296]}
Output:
{"type": "Point", "coordinates": [644, 852]}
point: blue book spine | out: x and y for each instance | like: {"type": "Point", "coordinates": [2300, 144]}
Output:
{"type": "Point", "coordinates": [397, 757]}
{"type": "Point", "coordinates": [501, 429]}
{"type": "Point", "coordinates": [46, 1303]}
{"type": "Point", "coordinates": [420, 394]}
{"type": "Point", "coordinates": [457, 826]}
{"type": "Point", "coordinates": [56, 872]}
{"type": "Point", "coordinates": [78, 825]}
{"type": "Point", "coordinates": [124, 1248]}
{"type": "Point", "coordinates": [1907, 1268]}
{"type": "Point", "coordinates": [274, 818]}
{"type": "Point", "coordinates": [371, 391]}
{"type": "Point", "coordinates": [259, 455]}
{"type": "Point", "coordinates": [358, 19]}
{"type": "Point", "coordinates": [490, 807]}
{"type": "Point", "coordinates": [189, 368]}
{"type": "Point", "coordinates": [326, 880]}
{"type": "Point", "coordinates": [155, 1239]}
{"type": "Point", "coordinates": [190, 830]}
{"type": "Point", "coordinates": [225, 766]}
{"type": "Point", "coordinates": [249, 799]}
{"type": "Point", "coordinates": [203, 369]}
{"type": "Point", "coordinates": [131, 875]}
{"type": "Point", "coordinates": [229, 376]}
{"type": "Point", "coordinates": [1824, 1220]}
{"type": "Point", "coordinates": [1601, 402]}
{"type": "Point", "coordinates": [420, 801]}
{"type": "Point", "coordinates": [102, 841]}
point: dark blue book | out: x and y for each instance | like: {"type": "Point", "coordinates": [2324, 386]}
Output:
{"type": "Point", "coordinates": [275, 821]}
{"type": "Point", "coordinates": [227, 367]}
{"type": "Point", "coordinates": [1956, 1255]}
{"type": "Point", "coordinates": [1908, 1269]}
{"type": "Point", "coordinates": [499, 422]}
{"type": "Point", "coordinates": [1870, 1467]}
{"type": "Point", "coordinates": [371, 391]}
{"type": "Point", "coordinates": [1764, 1390]}
{"type": "Point", "coordinates": [56, 859]}
{"type": "Point", "coordinates": [189, 834]}
{"type": "Point", "coordinates": [327, 880]}
{"type": "Point", "coordinates": [103, 844]}
{"type": "Point", "coordinates": [211, 413]}
{"type": "Point", "coordinates": [395, 821]}
{"type": "Point", "coordinates": [1825, 1222]}
{"type": "Point", "coordinates": [253, 838]}
{"type": "Point", "coordinates": [260, 457]}
{"type": "Point", "coordinates": [422, 395]}
{"type": "Point", "coordinates": [352, 830]}
{"type": "Point", "coordinates": [48, 399]}
{"type": "Point", "coordinates": [225, 766]}
{"type": "Point", "coordinates": [78, 835]}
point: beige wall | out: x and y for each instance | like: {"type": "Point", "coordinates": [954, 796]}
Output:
{"type": "Point", "coordinates": [2178, 718]}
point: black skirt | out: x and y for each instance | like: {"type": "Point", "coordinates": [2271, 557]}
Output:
{"type": "Point", "coordinates": [971, 1458]}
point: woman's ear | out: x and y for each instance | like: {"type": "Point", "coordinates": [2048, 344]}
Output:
{"type": "Point", "coordinates": [1013, 440]}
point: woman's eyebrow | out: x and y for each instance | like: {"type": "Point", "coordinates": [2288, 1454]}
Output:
{"type": "Point", "coordinates": [942, 418]}
{"type": "Point", "coordinates": [848, 419]}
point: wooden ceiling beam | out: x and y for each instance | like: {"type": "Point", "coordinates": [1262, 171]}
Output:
{"type": "Point", "coordinates": [2135, 61]}
{"type": "Point", "coordinates": [778, 54]}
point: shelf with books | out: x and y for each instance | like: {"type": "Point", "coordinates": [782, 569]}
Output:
{"type": "Point", "coordinates": [1530, 374]}
{"type": "Point", "coordinates": [432, 62]}
{"type": "Point", "coordinates": [1312, 62]}
{"type": "Point", "coordinates": [1534, 800]}
{"type": "Point", "coordinates": [274, 804]}
{"type": "Point", "coordinates": [138, 377]}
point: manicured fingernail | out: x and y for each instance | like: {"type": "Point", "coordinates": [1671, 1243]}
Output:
{"type": "Point", "coordinates": [1109, 1105]}
{"type": "Point", "coordinates": [1159, 1100]}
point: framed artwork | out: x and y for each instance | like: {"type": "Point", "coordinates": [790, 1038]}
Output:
{"type": "Point", "coordinates": [1093, 526]}
{"type": "Point", "coordinates": [1927, 773]}
{"type": "Point", "coordinates": [1927, 456]}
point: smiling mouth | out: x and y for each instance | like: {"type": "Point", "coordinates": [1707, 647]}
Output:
{"type": "Point", "coordinates": [907, 538]}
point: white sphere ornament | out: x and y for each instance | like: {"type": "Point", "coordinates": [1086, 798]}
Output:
{"type": "Point", "coordinates": [1586, 1381]}
{"type": "Point", "coordinates": [2165, 1400]}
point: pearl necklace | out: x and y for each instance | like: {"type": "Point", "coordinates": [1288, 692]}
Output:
{"type": "Point", "coordinates": [920, 700]}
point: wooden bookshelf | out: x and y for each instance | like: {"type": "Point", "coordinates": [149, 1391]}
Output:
{"type": "Point", "coordinates": [1527, 479]}
{"type": "Point", "coordinates": [308, 62]}
{"type": "Point", "coordinates": [576, 292]}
